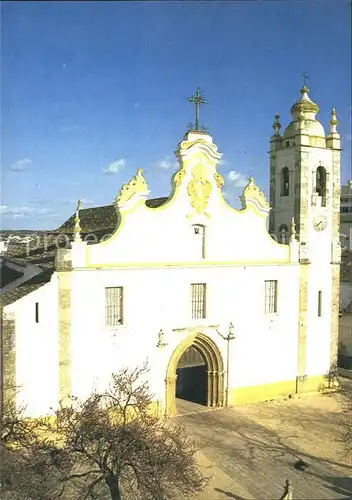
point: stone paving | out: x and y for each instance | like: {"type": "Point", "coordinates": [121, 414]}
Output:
{"type": "Point", "coordinates": [250, 451]}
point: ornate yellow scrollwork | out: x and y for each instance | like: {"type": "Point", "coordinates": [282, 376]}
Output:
{"type": "Point", "coordinates": [137, 185]}
{"type": "Point", "coordinates": [179, 176]}
{"type": "Point", "coordinates": [219, 180]}
{"type": "Point", "coordinates": [188, 144]}
{"type": "Point", "coordinates": [252, 193]}
{"type": "Point", "coordinates": [199, 188]}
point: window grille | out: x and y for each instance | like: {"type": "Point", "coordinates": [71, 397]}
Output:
{"type": "Point", "coordinates": [114, 306]}
{"type": "Point", "coordinates": [270, 296]}
{"type": "Point", "coordinates": [198, 300]}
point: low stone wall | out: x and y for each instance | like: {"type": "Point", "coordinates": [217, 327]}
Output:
{"type": "Point", "coordinates": [345, 335]}
{"type": "Point", "coordinates": [345, 373]}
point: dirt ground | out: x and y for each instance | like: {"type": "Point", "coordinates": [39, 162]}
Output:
{"type": "Point", "coordinates": [250, 451]}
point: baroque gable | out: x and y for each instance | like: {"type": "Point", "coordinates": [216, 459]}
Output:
{"type": "Point", "coordinates": [164, 234]}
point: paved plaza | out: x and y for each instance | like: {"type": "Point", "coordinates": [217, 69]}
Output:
{"type": "Point", "coordinates": [250, 451]}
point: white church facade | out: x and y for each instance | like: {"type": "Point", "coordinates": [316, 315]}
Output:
{"type": "Point", "coordinates": [222, 311]}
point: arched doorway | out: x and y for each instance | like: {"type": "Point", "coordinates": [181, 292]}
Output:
{"type": "Point", "coordinates": [191, 376]}
{"type": "Point", "coordinates": [207, 384]}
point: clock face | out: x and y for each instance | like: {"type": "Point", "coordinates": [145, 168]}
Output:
{"type": "Point", "coordinates": [320, 223]}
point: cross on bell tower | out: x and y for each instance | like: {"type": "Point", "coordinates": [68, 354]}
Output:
{"type": "Point", "coordinates": [198, 100]}
{"type": "Point", "coordinates": [304, 77]}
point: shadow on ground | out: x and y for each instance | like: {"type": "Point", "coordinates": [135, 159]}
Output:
{"type": "Point", "coordinates": [228, 494]}
{"type": "Point", "coordinates": [341, 485]}
{"type": "Point", "coordinates": [259, 448]}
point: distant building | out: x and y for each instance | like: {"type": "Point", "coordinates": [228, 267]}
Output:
{"type": "Point", "coordinates": [346, 216]}
{"type": "Point", "coordinates": [3, 246]}
{"type": "Point", "coordinates": [345, 335]}
{"type": "Point", "coordinates": [223, 312]}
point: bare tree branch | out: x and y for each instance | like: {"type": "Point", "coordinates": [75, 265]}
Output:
{"type": "Point", "coordinates": [111, 441]}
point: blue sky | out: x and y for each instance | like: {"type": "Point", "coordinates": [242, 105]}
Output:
{"type": "Point", "coordinates": [91, 91]}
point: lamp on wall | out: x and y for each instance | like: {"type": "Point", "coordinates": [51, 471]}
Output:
{"type": "Point", "coordinates": [161, 339]}
{"type": "Point", "coordinates": [230, 336]}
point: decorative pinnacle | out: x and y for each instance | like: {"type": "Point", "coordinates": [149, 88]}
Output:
{"type": "Point", "coordinates": [77, 229]}
{"type": "Point", "coordinates": [197, 99]}
{"type": "Point", "coordinates": [334, 120]}
{"type": "Point", "coordinates": [293, 230]}
{"type": "Point", "coordinates": [277, 124]}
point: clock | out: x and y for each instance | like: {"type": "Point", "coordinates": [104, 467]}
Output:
{"type": "Point", "coordinates": [320, 222]}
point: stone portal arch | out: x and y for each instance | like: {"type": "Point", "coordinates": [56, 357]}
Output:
{"type": "Point", "coordinates": [215, 371]}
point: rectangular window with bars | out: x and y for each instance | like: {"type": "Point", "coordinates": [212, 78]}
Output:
{"type": "Point", "coordinates": [198, 300]}
{"type": "Point", "coordinates": [114, 306]}
{"type": "Point", "coordinates": [270, 296]}
{"type": "Point", "coordinates": [320, 294]}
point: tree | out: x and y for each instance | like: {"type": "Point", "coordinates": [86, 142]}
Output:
{"type": "Point", "coordinates": [114, 440]}
{"type": "Point", "coordinates": [26, 468]}
{"type": "Point", "coordinates": [110, 445]}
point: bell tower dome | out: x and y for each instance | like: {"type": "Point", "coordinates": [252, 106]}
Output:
{"type": "Point", "coordinates": [304, 170]}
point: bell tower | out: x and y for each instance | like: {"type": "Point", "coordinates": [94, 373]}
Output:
{"type": "Point", "coordinates": [305, 186]}
{"type": "Point", "coordinates": [304, 173]}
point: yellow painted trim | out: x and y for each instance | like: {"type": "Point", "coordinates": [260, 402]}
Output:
{"type": "Point", "coordinates": [277, 390]}
{"type": "Point", "coordinates": [118, 228]}
{"type": "Point", "coordinates": [124, 213]}
{"type": "Point", "coordinates": [197, 158]}
{"type": "Point", "coordinates": [183, 163]}
{"type": "Point", "coordinates": [303, 319]}
{"type": "Point", "coordinates": [239, 263]}
{"type": "Point", "coordinates": [65, 361]}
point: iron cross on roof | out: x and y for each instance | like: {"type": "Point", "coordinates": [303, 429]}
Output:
{"type": "Point", "coordinates": [304, 76]}
{"type": "Point", "coordinates": [198, 99]}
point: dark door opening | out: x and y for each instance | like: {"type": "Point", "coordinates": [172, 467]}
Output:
{"type": "Point", "coordinates": [191, 383]}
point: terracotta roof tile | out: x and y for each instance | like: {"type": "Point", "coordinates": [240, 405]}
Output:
{"type": "Point", "coordinates": [8, 275]}
{"type": "Point", "coordinates": [42, 246]}
{"type": "Point", "coordinates": [102, 220]}
{"type": "Point", "coordinates": [29, 286]}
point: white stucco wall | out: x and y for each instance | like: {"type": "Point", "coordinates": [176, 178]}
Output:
{"type": "Point", "coordinates": [166, 235]}
{"type": "Point", "coordinates": [265, 348]}
{"type": "Point", "coordinates": [37, 349]}
{"type": "Point", "coordinates": [155, 256]}
{"type": "Point", "coordinates": [319, 327]}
